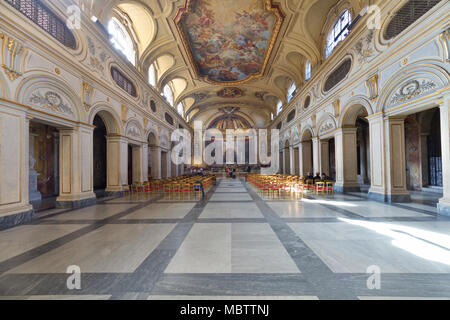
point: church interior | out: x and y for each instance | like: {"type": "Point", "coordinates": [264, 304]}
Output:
{"type": "Point", "coordinates": [327, 122]}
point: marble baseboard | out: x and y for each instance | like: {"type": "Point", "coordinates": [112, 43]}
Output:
{"type": "Point", "coordinates": [109, 194]}
{"type": "Point", "coordinates": [76, 204]}
{"type": "Point", "coordinates": [344, 189]}
{"type": "Point", "coordinates": [16, 219]}
{"type": "Point", "coordinates": [389, 198]}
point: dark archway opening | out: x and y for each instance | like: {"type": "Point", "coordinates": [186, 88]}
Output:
{"type": "Point", "coordinates": [99, 153]}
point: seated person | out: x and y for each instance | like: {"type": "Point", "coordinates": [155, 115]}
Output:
{"type": "Point", "coordinates": [317, 178]}
{"type": "Point", "coordinates": [309, 177]}
{"type": "Point", "coordinates": [325, 177]}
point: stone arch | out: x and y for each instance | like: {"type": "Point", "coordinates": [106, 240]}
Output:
{"type": "Point", "coordinates": [411, 82]}
{"type": "Point", "coordinates": [355, 107]}
{"type": "Point", "coordinates": [326, 124]}
{"type": "Point", "coordinates": [46, 92]}
{"type": "Point", "coordinates": [307, 134]}
{"type": "Point", "coordinates": [109, 117]}
{"type": "Point", "coordinates": [133, 129]}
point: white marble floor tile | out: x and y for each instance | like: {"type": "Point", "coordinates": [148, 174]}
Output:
{"type": "Point", "coordinates": [232, 248]}
{"type": "Point", "coordinates": [162, 211]}
{"type": "Point", "coordinates": [355, 256]}
{"type": "Point", "coordinates": [97, 212]}
{"type": "Point", "coordinates": [375, 209]}
{"type": "Point", "coordinates": [333, 231]}
{"type": "Point", "coordinates": [302, 209]}
{"type": "Point", "coordinates": [230, 197]}
{"type": "Point", "coordinates": [257, 249]}
{"type": "Point", "coordinates": [231, 210]}
{"type": "Point", "coordinates": [111, 248]}
{"type": "Point", "coordinates": [206, 249]}
{"type": "Point", "coordinates": [20, 239]}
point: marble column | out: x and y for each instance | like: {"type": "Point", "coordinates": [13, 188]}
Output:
{"type": "Point", "coordinates": [444, 203]}
{"type": "Point", "coordinates": [316, 155]}
{"type": "Point", "coordinates": [346, 161]}
{"type": "Point", "coordinates": [296, 164]}
{"type": "Point", "coordinates": [291, 160]}
{"type": "Point", "coordinates": [281, 169]}
{"type": "Point", "coordinates": [388, 161]}
{"type": "Point", "coordinates": [76, 167]}
{"type": "Point", "coordinates": [145, 162]}
{"type": "Point", "coordinates": [324, 157]}
{"type": "Point", "coordinates": [137, 165]}
{"type": "Point", "coordinates": [306, 157]}
{"type": "Point", "coordinates": [301, 170]}
{"type": "Point", "coordinates": [117, 162]}
{"type": "Point", "coordinates": [56, 162]}
{"type": "Point", "coordinates": [155, 160]}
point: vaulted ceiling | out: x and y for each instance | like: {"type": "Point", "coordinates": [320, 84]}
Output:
{"type": "Point", "coordinates": [226, 53]}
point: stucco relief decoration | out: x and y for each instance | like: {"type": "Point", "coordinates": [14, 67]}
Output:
{"type": "Point", "coordinates": [96, 62]}
{"type": "Point", "coordinates": [260, 95]}
{"type": "Point", "coordinates": [199, 96]}
{"type": "Point", "coordinates": [364, 47]}
{"type": "Point", "coordinates": [50, 100]}
{"type": "Point", "coordinates": [87, 94]}
{"type": "Point", "coordinates": [412, 89]}
{"type": "Point", "coordinates": [133, 132]}
{"type": "Point", "coordinates": [12, 53]}
{"type": "Point", "coordinates": [327, 126]}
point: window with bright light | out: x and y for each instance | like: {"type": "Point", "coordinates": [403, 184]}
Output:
{"type": "Point", "coordinates": [338, 33]}
{"type": "Point", "coordinates": [279, 107]}
{"type": "Point", "coordinates": [291, 91]}
{"type": "Point", "coordinates": [180, 109]}
{"type": "Point", "coordinates": [307, 70]}
{"type": "Point", "coordinates": [168, 94]}
{"type": "Point", "coordinates": [152, 75]}
{"type": "Point", "coordinates": [121, 40]}
{"type": "Point", "coordinates": [271, 116]}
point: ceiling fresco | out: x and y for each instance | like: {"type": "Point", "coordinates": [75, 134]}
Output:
{"type": "Point", "coordinates": [229, 121]}
{"type": "Point", "coordinates": [230, 93]}
{"type": "Point", "coordinates": [229, 41]}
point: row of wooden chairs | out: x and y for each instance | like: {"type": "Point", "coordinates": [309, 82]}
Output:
{"type": "Point", "coordinates": [288, 185]}
{"type": "Point", "coordinates": [183, 187]}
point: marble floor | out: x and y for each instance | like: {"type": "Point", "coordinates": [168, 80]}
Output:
{"type": "Point", "coordinates": [233, 244]}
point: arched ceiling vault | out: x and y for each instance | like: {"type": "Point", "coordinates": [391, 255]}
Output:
{"type": "Point", "coordinates": [300, 38]}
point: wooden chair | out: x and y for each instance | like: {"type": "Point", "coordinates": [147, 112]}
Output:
{"type": "Point", "coordinates": [320, 187]}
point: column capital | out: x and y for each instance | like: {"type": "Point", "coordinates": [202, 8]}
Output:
{"type": "Point", "coordinates": [116, 137]}
{"type": "Point", "coordinates": [345, 130]}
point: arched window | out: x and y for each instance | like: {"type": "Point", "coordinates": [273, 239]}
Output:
{"type": "Point", "coordinates": [271, 116]}
{"type": "Point", "coordinates": [121, 40]}
{"type": "Point", "coordinates": [180, 109]}
{"type": "Point", "coordinates": [307, 70]}
{"type": "Point", "coordinates": [279, 107]}
{"type": "Point", "coordinates": [339, 32]}
{"type": "Point", "coordinates": [291, 91]}
{"type": "Point", "coordinates": [152, 75]}
{"type": "Point", "coordinates": [168, 94]}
